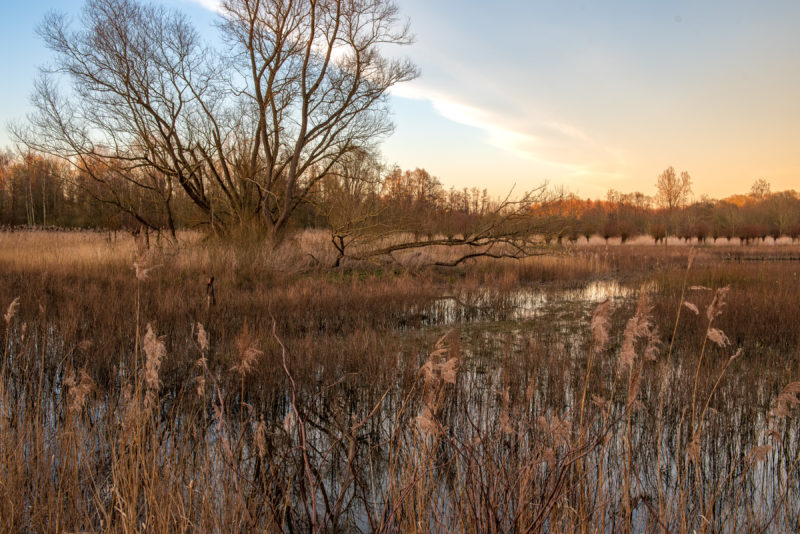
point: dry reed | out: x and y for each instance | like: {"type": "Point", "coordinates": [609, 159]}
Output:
{"type": "Point", "coordinates": [334, 416]}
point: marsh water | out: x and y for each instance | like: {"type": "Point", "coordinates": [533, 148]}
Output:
{"type": "Point", "coordinates": [670, 440]}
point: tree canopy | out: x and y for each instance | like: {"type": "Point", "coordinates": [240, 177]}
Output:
{"type": "Point", "coordinates": [246, 132]}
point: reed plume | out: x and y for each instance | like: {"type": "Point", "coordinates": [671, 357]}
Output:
{"type": "Point", "coordinates": [11, 311]}
{"type": "Point", "coordinates": [638, 327]}
{"type": "Point", "coordinates": [155, 351]}
{"type": "Point", "coordinates": [436, 375]}
{"type": "Point", "coordinates": [78, 389]}
{"type": "Point", "coordinates": [601, 322]}
{"type": "Point", "coordinates": [247, 353]}
{"type": "Point", "coordinates": [202, 338]}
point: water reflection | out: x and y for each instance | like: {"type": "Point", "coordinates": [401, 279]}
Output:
{"type": "Point", "coordinates": [521, 439]}
{"type": "Point", "coordinates": [523, 303]}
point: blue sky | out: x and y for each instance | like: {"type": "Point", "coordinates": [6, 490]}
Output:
{"type": "Point", "coordinates": [590, 95]}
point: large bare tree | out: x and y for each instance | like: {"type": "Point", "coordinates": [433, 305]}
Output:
{"type": "Point", "coordinates": [246, 132]}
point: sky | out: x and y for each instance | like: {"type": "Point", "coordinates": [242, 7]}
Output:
{"type": "Point", "coordinates": [588, 95]}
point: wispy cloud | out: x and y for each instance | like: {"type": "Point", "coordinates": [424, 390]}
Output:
{"type": "Point", "coordinates": [211, 5]}
{"type": "Point", "coordinates": [562, 147]}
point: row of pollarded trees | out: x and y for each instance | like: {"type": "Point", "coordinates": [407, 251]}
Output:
{"type": "Point", "coordinates": [749, 218]}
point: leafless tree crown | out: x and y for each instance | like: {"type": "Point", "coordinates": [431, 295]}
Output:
{"type": "Point", "coordinates": [246, 133]}
{"type": "Point", "coordinates": [673, 191]}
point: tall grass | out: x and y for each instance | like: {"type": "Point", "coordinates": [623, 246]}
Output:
{"type": "Point", "coordinates": [328, 401]}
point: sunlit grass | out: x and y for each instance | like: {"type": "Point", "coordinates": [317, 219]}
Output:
{"type": "Point", "coordinates": [313, 399]}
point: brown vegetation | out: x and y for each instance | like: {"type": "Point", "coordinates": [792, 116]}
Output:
{"type": "Point", "coordinates": [347, 347]}
{"type": "Point", "coordinates": [343, 400]}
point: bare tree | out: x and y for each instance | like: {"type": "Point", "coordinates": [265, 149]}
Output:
{"type": "Point", "coordinates": [348, 201]}
{"type": "Point", "coordinates": [760, 189]}
{"type": "Point", "coordinates": [245, 136]}
{"type": "Point", "coordinates": [510, 229]}
{"type": "Point", "coordinates": [672, 193]}
{"type": "Point", "coordinates": [318, 85]}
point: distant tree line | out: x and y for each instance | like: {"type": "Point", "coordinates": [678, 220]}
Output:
{"type": "Point", "coordinates": [750, 218]}
{"type": "Point", "coordinates": [361, 200]}
{"type": "Point", "coordinates": [138, 122]}
{"type": "Point", "coordinates": [40, 190]}
{"type": "Point", "coordinates": [43, 191]}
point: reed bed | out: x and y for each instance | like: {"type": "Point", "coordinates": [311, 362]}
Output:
{"type": "Point", "coordinates": [342, 400]}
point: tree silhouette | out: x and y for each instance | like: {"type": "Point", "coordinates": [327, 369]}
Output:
{"type": "Point", "coordinates": [247, 133]}
{"type": "Point", "coordinates": [672, 193]}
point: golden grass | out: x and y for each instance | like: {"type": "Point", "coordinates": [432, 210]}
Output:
{"type": "Point", "coordinates": [36, 250]}
{"type": "Point", "coordinates": [309, 399]}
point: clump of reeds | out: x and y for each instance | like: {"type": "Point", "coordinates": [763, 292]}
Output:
{"type": "Point", "coordinates": [155, 351]}
{"type": "Point", "coordinates": [334, 422]}
{"type": "Point", "coordinates": [436, 374]}
{"type": "Point", "coordinates": [11, 312]}
{"type": "Point", "coordinates": [78, 389]}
